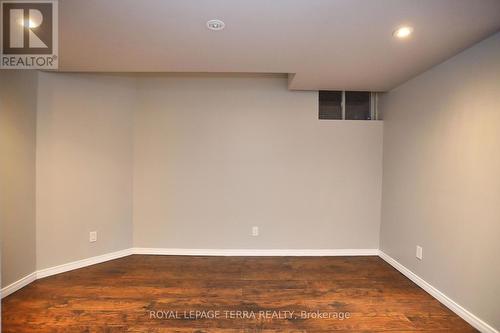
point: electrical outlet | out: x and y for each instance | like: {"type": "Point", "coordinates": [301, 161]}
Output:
{"type": "Point", "coordinates": [93, 236]}
{"type": "Point", "coordinates": [419, 254]}
{"type": "Point", "coordinates": [255, 231]}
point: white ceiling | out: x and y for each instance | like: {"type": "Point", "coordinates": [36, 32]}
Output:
{"type": "Point", "coordinates": [323, 44]}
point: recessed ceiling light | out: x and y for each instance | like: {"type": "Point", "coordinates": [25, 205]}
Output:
{"type": "Point", "coordinates": [403, 32]}
{"type": "Point", "coordinates": [215, 25]}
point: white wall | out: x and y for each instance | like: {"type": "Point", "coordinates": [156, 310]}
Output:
{"type": "Point", "coordinates": [441, 184]}
{"type": "Point", "coordinates": [18, 91]}
{"type": "Point", "coordinates": [216, 155]}
{"type": "Point", "coordinates": [84, 165]}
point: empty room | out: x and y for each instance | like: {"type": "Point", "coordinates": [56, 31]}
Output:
{"type": "Point", "coordinates": [250, 166]}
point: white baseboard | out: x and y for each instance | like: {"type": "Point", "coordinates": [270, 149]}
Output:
{"type": "Point", "coordinates": [256, 252]}
{"type": "Point", "coordinates": [61, 269]}
{"type": "Point", "coordinates": [441, 297]}
{"type": "Point", "coordinates": [15, 286]}
{"type": "Point", "coordinates": [82, 263]}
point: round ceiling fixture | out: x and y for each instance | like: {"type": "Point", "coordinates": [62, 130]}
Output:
{"type": "Point", "coordinates": [215, 25]}
{"type": "Point", "coordinates": [403, 32]}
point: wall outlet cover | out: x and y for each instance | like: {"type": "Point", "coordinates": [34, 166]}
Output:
{"type": "Point", "coordinates": [419, 254]}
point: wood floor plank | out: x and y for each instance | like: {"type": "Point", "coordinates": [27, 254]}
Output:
{"type": "Point", "coordinates": [124, 295]}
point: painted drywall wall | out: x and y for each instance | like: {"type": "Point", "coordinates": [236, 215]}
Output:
{"type": "Point", "coordinates": [216, 155]}
{"type": "Point", "coordinates": [18, 91]}
{"type": "Point", "coordinates": [84, 165]}
{"type": "Point", "coordinates": [441, 183]}
{"type": "Point", "coordinates": [199, 160]}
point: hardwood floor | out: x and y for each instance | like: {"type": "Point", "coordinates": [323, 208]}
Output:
{"type": "Point", "coordinates": [131, 294]}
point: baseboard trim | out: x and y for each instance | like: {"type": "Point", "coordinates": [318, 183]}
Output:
{"type": "Point", "coordinates": [256, 252]}
{"type": "Point", "coordinates": [15, 286]}
{"type": "Point", "coordinates": [441, 297]}
{"type": "Point", "coordinates": [6, 291]}
{"type": "Point", "coordinates": [82, 263]}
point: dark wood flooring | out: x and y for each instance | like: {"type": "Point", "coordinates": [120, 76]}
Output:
{"type": "Point", "coordinates": [126, 294]}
